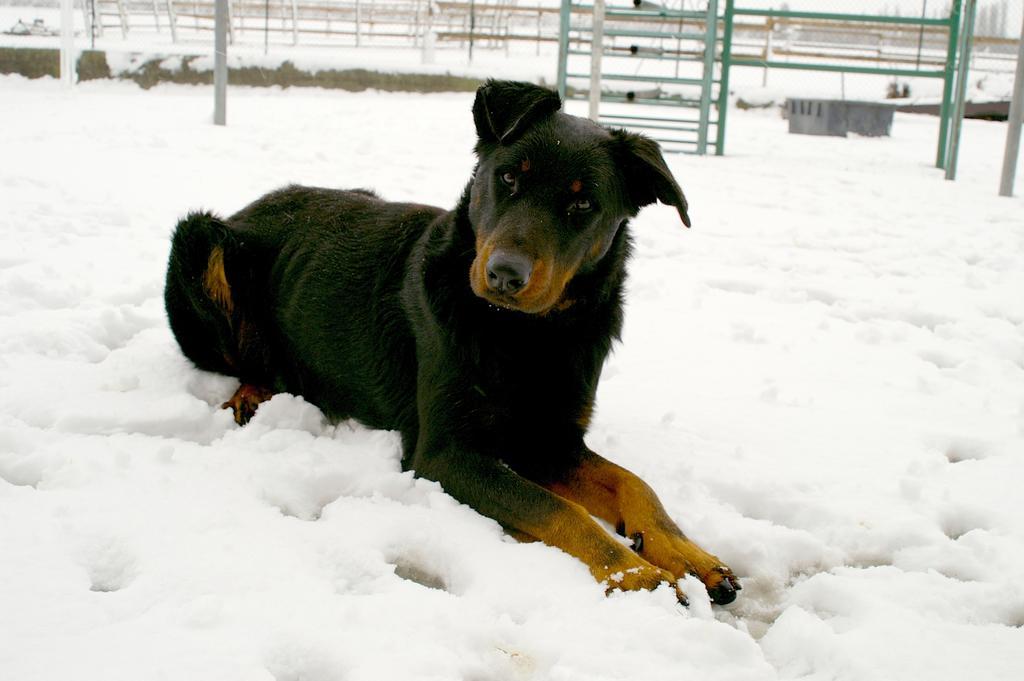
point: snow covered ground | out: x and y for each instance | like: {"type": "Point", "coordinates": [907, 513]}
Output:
{"type": "Point", "coordinates": [823, 379]}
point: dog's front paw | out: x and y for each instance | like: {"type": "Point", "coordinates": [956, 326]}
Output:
{"type": "Point", "coordinates": [642, 577]}
{"type": "Point", "coordinates": [722, 585]}
{"type": "Point", "coordinates": [677, 554]}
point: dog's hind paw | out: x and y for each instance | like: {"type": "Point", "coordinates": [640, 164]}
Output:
{"type": "Point", "coordinates": [245, 401]}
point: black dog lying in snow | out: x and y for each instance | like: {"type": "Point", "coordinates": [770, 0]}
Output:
{"type": "Point", "coordinates": [478, 334]}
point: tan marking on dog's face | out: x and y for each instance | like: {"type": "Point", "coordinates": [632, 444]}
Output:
{"type": "Point", "coordinates": [576, 187]}
{"type": "Point", "coordinates": [215, 281]}
{"type": "Point", "coordinates": [545, 292]}
{"type": "Point", "coordinates": [478, 270]}
{"type": "Point", "coordinates": [525, 165]}
{"type": "Point", "coordinates": [541, 295]}
{"type": "Point", "coordinates": [596, 250]}
{"type": "Point", "coordinates": [562, 305]}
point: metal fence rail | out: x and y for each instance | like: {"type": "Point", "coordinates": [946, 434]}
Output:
{"type": "Point", "coordinates": [346, 22]}
{"type": "Point", "coordinates": [499, 23]}
{"type": "Point", "coordinates": [837, 61]}
{"type": "Point", "coordinates": [648, 68]}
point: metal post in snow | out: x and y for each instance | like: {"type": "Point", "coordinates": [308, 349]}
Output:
{"type": "Point", "coordinates": [472, 27]}
{"type": "Point", "coordinates": [920, 33]}
{"type": "Point", "coordinates": [266, 27]}
{"type": "Point", "coordinates": [947, 84]}
{"type": "Point", "coordinates": [295, 22]}
{"type": "Point", "coordinates": [540, 31]}
{"type": "Point", "coordinates": [172, 18]}
{"type": "Point", "coordinates": [966, 37]}
{"type": "Point", "coordinates": [1014, 121]}
{"type": "Point", "coordinates": [67, 44]}
{"type": "Point", "coordinates": [596, 47]}
{"type": "Point", "coordinates": [91, 20]}
{"type": "Point", "coordinates": [564, 17]}
{"type": "Point", "coordinates": [417, 33]}
{"type": "Point", "coordinates": [710, 43]}
{"type": "Point", "coordinates": [428, 35]}
{"type": "Point", "coordinates": [723, 85]}
{"type": "Point", "coordinates": [220, 63]}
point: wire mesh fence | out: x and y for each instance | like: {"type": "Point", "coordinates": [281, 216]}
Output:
{"type": "Point", "coordinates": [531, 28]}
{"type": "Point", "coordinates": [504, 24]}
{"type": "Point", "coordinates": [381, 23]}
{"type": "Point", "coordinates": [914, 45]}
{"type": "Point", "coordinates": [657, 67]}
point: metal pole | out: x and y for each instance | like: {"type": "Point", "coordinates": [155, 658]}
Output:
{"type": "Point", "coordinates": [428, 35]}
{"type": "Point", "coordinates": [564, 17]}
{"type": "Point", "coordinates": [540, 31]}
{"type": "Point", "coordinates": [1015, 120]}
{"type": "Point", "coordinates": [172, 18]}
{"type": "Point", "coordinates": [966, 37]}
{"type": "Point", "coordinates": [710, 43]}
{"type": "Point", "coordinates": [472, 27]}
{"type": "Point", "coordinates": [295, 22]}
{"type": "Point", "coordinates": [596, 47]}
{"type": "Point", "coordinates": [220, 63]}
{"type": "Point", "coordinates": [947, 87]}
{"type": "Point", "coordinates": [266, 27]}
{"type": "Point", "coordinates": [723, 85]}
{"type": "Point", "coordinates": [920, 34]}
{"type": "Point", "coordinates": [92, 24]}
{"type": "Point", "coordinates": [67, 44]}
{"type": "Point", "coordinates": [417, 34]}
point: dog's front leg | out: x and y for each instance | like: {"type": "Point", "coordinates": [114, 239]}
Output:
{"type": "Point", "coordinates": [525, 508]}
{"type": "Point", "coordinates": [619, 497]}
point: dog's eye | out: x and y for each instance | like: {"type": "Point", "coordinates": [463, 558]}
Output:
{"type": "Point", "coordinates": [581, 206]}
{"type": "Point", "coordinates": [509, 179]}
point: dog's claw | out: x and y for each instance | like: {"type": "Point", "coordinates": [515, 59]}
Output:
{"type": "Point", "coordinates": [725, 591]}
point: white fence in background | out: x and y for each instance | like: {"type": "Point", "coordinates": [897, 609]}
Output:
{"type": "Point", "coordinates": [487, 23]}
{"type": "Point", "coordinates": [494, 23]}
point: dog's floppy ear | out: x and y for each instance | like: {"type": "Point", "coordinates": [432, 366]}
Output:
{"type": "Point", "coordinates": [648, 178]}
{"type": "Point", "coordinates": [504, 109]}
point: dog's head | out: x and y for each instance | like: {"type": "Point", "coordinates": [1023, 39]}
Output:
{"type": "Point", "coordinates": [550, 193]}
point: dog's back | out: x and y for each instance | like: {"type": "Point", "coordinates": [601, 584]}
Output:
{"type": "Point", "coordinates": [308, 269]}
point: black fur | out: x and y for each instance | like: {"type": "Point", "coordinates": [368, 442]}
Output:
{"type": "Point", "coordinates": [366, 307]}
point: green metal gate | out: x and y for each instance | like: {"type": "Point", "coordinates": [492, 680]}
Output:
{"type": "Point", "coordinates": [665, 72]}
{"type": "Point", "coordinates": [951, 23]}
{"type": "Point", "coordinates": [648, 68]}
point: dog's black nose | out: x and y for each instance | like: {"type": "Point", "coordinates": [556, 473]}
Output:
{"type": "Point", "coordinates": [508, 272]}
